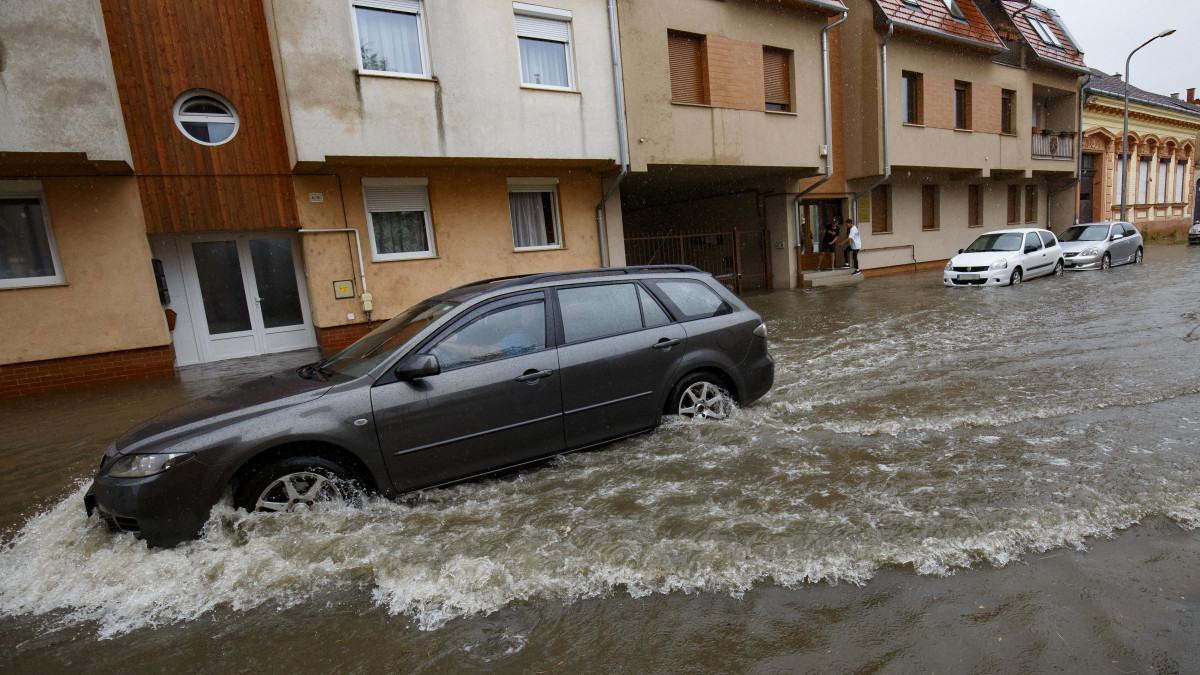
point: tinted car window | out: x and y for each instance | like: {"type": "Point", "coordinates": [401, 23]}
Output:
{"type": "Point", "coordinates": [652, 314]}
{"type": "Point", "coordinates": [1129, 231]}
{"type": "Point", "coordinates": [509, 331]}
{"type": "Point", "coordinates": [1047, 238]}
{"type": "Point", "coordinates": [692, 299]}
{"type": "Point", "coordinates": [1032, 241]}
{"type": "Point", "coordinates": [595, 311]}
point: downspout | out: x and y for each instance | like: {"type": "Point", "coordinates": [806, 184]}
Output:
{"type": "Point", "coordinates": [622, 133]}
{"type": "Point", "coordinates": [364, 297]}
{"type": "Point", "coordinates": [828, 125]}
{"type": "Point", "coordinates": [1078, 161]}
{"type": "Point", "coordinates": [887, 166]}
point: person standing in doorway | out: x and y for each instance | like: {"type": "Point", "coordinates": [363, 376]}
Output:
{"type": "Point", "coordinates": [828, 243]}
{"type": "Point", "coordinates": [853, 244]}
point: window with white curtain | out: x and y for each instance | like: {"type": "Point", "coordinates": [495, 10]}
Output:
{"type": "Point", "coordinates": [28, 254]}
{"type": "Point", "coordinates": [1143, 193]}
{"type": "Point", "coordinates": [533, 207]}
{"type": "Point", "coordinates": [1180, 171]}
{"type": "Point", "coordinates": [391, 36]}
{"type": "Point", "coordinates": [544, 42]}
{"type": "Point", "coordinates": [398, 217]}
{"type": "Point", "coordinates": [1164, 168]}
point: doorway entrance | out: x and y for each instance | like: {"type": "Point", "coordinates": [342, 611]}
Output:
{"type": "Point", "coordinates": [815, 214]}
{"type": "Point", "coordinates": [1088, 184]}
{"type": "Point", "coordinates": [234, 295]}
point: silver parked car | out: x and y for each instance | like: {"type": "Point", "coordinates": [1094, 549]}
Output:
{"type": "Point", "coordinates": [481, 378]}
{"type": "Point", "coordinates": [1098, 246]}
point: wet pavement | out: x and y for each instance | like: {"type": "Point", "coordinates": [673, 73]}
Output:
{"type": "Point", "coordinates": [942, 479]}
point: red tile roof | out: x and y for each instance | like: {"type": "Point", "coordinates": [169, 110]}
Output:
{"type": "Point", "coordinates": [932, 16]}
{"type": "Point", "coordinates": [1021, 11]}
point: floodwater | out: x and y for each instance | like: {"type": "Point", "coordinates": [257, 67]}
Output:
{"type": "Point", "coordinates": [959, 480]}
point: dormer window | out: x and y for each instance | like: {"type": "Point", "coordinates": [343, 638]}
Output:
{"type": "Point", "coordinates": [952, 7]}
{"type": "Point", "coordinates": [1045, 32]}
{"type": "Point", "coordinates": [913, 3]}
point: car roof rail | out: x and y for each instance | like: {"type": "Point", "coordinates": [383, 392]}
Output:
{"type": "Point", "coordinates": [526, 279]}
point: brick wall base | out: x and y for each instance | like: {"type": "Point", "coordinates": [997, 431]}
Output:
{"type": "Point", "coordinates": [17, 379]}
{"type": "Point", "coordinates": [335, 339]}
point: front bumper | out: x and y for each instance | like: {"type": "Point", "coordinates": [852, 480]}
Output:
{"type": "Point", "coordinates": [985, 278]}
{"type": "Point", "coordinates": [163, 509]}
{"type": "Point", "coordinates": [1083, 262]}
{"type": "Point", "coordinates": [1194, 238]}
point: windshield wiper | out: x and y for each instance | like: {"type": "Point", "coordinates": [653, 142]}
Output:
{"type": "Point", "coordinates": [318, 368]}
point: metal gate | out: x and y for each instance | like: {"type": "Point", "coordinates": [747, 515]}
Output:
{"type": "Point", "coordinates": [739, 260]}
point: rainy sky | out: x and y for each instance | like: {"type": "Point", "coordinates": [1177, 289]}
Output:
{"type": "Point", "coordinates": [1108, 30]}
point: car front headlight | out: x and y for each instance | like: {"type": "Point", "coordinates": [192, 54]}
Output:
{"type": "Point", "coordinates": [1095, 250]}
{"type": "Point", "coordinates": [999, 264]}
{"type": "Point", "coordinates": [140, 466]}
{"type": "Point", "coordinates": [949, 265]}
{"type": "Point", "coordinates": [1195, 229]}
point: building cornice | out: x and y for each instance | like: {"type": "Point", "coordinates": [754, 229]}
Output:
{"type": "Point", "coordinates": [1102, 109]}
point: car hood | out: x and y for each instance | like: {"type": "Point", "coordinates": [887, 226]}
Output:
{"type": "Point", "coordinates": [228, 406]}
{"type": "Point", "coordinates": [981, 259]}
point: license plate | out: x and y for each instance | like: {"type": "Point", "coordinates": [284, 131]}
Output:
{"type": "Point", "coordinates": [968, 277]}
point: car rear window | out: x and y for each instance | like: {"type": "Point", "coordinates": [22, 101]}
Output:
{"type": "Point", "coordinates": [1047, 238]}
{"type": "Point", "coordinates": [692, 299]}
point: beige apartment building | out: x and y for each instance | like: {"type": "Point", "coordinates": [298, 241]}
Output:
{"type": "Point", "coordinates": [1162, 157]}
{"type": "Point", "coordinates": [962, 116]}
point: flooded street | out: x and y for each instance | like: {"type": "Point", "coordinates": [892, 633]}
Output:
{"type": "Point", "coordinates": [941, 479]}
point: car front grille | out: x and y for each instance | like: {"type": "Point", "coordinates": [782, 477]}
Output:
{"type": "Point", "coordinates": [970, 282]}
{"type": "Point", "coordinates": [970, 269]}
{"type": "Point", "coordinates": [1071, 255]}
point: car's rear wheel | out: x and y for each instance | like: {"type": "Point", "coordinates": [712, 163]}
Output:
{"type": "Point", "coordinates": [1137, 257]}
{"type": "Point", "coordinates": [1058, 269]}
{"type": "Point", "coordinates": [1015, 278]}
{"type": "Point", "coordinates": [1106, 262]}
{"type": "Point", "coordinates": [284, 485]}
{"type": "Point", "coordinates": [701, 395]}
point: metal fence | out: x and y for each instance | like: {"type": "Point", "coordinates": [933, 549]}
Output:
{"type": "Point", "coordinates": [1053, 146]}
{"type": "Point", "coordinates": [740, 260]}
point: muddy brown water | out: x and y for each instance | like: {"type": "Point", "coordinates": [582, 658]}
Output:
{"type": "Point", "coordinates": [961, 480]}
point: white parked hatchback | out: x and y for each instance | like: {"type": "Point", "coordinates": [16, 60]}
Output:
{"type": "Point", "coordinates": [1005, 257]}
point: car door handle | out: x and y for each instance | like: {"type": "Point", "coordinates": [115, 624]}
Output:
{"type": "Point", "coordinates": [534, 375]}
{"type": "Point", "coordinates": [666, 344]}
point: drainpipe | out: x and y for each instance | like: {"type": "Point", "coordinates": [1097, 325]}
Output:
{"type": "Point", "coordinates": [364, 297]}
{"type": "Point", "coordinates": [1078, 160]}
{"type": "Point", "coordinates": [622, 133]}
{"type": "Point", "coordinates": [828, 124]}
{"type": "Point", "coordinates": [887, 166]}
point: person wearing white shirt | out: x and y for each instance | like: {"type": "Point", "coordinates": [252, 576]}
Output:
{"type": "Point", "coordinates": [854, 244]}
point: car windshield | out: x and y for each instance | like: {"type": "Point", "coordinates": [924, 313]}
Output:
{"type": "Point", "coordinates": [374, 347]}
{"type": "Point", "coordinates": [1085, 233]}
{"type": "Point", "coordinates": [1007, 241]}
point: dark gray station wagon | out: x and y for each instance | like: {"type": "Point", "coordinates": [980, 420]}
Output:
{"type": "Point", "coordinates": [481, 378]}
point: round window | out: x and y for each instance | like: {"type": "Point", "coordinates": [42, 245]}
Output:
{"type": "Point", "coordinates": [205, 117]}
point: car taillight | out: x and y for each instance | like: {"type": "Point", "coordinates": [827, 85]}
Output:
{"type": "Point", "coordinates": [761, 331]}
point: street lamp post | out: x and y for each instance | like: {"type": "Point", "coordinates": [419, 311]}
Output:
{"type": "Point", "coordinates": [1125, 131]}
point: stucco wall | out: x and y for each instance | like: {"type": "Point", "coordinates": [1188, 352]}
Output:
{"type": "Point", "coordinates": [472, 106]}
{"type": "Point", "coordinates": [110, 301]}
{"type": "Point", "coordinates": [57, 92]}
{"type": "Point", "coordinates": [665, 133]}
{"type": "Point", "coordinates": [471, 228]}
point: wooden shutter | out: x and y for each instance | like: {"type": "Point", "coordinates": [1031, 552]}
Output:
{"type": "Point", "coordinates": [974, 206]}
{"type": "Point", "coordinates": [1014, 203]}
{"type": "Point", "coordinates": [686, 55]}
{"type": "Point", "coordinates": [777, 78]}
{"type": "Point", "coordinates": [879, 207]}
{"type": "Point", "coordinates": [1031, 203]}
{"type": "Point", "coordinates": [929, 207]}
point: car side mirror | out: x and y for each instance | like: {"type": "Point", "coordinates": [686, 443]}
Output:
{"type": "Point", "coordinates": [1118, 236]}
{"type": "Point", "coordinates": [961, 250]}
{"type": "Point", "coordinates": [417, 366]}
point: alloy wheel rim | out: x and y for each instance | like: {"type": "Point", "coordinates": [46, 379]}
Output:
{"type": "Point", "coordinates": [703, 399]}
{"type": "Point", "coordinates": [304, 487]}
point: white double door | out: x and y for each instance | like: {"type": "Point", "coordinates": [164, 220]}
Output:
{"type": "Point", "coordinates": [242, 295]}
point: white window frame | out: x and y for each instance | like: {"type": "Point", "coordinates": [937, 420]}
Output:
{"type": "Point", "coordinates": [180, 117]}
{"type": "Point", "coordinates": [1044, 32]}
{"type": "Point", "coordinates": [913, 3]}
{"type": "Point", "coordinates": [550, 185]}
{"type": "Point", "coordinates": [545, 15]}
{"type": "Point", "coordinates": [955, 11]}
{"type": "Point", "coordinates": [1180, 180]}
{"type": "Point", "coordinates": [414, 7]}
{"type": "Point", "coordinates": [27, 189]}
{"type": "Point", "coordinates": [411, 201]}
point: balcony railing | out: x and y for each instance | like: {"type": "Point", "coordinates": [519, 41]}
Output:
{"type": "Point", "coordinates": [1053, 145]}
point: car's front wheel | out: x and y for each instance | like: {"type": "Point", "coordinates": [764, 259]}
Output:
{"type": "Point", "coordinates": [1058, 269]}
{"type": "Point", "coordinates": [1015, 278]}
{"type": "Point", "coordinates": [1106, 262]}
{"type": "Point", "coordinates": [284, 485]}
{"type": "Point", "coordinates": [701, 395]}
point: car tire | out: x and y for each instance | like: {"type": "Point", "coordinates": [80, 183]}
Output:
{"type": "Point", "coordinates": [283, 485]}
{"type": "Point", "coordinates": [1106, 262]}
{"type": "Point", "coordinates": [701, 395]}
{"type": "Point", "coordinates": [1058, 269]}
{"type": "Point", "coordinates": [1137, 257]}
{"type": "Point", "coordinates": [1015, 278]}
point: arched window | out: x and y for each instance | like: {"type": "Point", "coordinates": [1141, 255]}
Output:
{"type": "Point", "coordinates": [206, 117]}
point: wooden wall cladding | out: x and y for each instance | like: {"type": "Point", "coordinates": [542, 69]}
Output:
{"type": "Point", "coordinates": [162, 48]}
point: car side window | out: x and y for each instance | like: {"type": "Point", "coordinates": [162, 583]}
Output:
{"type": "Point", "coordinates": [1129, 231]}
{"type": "Point", "coordinates": [507, 331]}
{"type": "Point", "coordinates": [652, 313]}
{"type": "Point", "coordinates": [1032, 242]}
{"type": "Point", "coordinates": [596, 311]}
{"type": "Point", "coordinates": [1048, 238]}
{"type": "Point", "coordinates": [692, 299]}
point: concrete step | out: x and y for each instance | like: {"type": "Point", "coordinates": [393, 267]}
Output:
{"type": "Point", "coordinates": [838, 277]}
